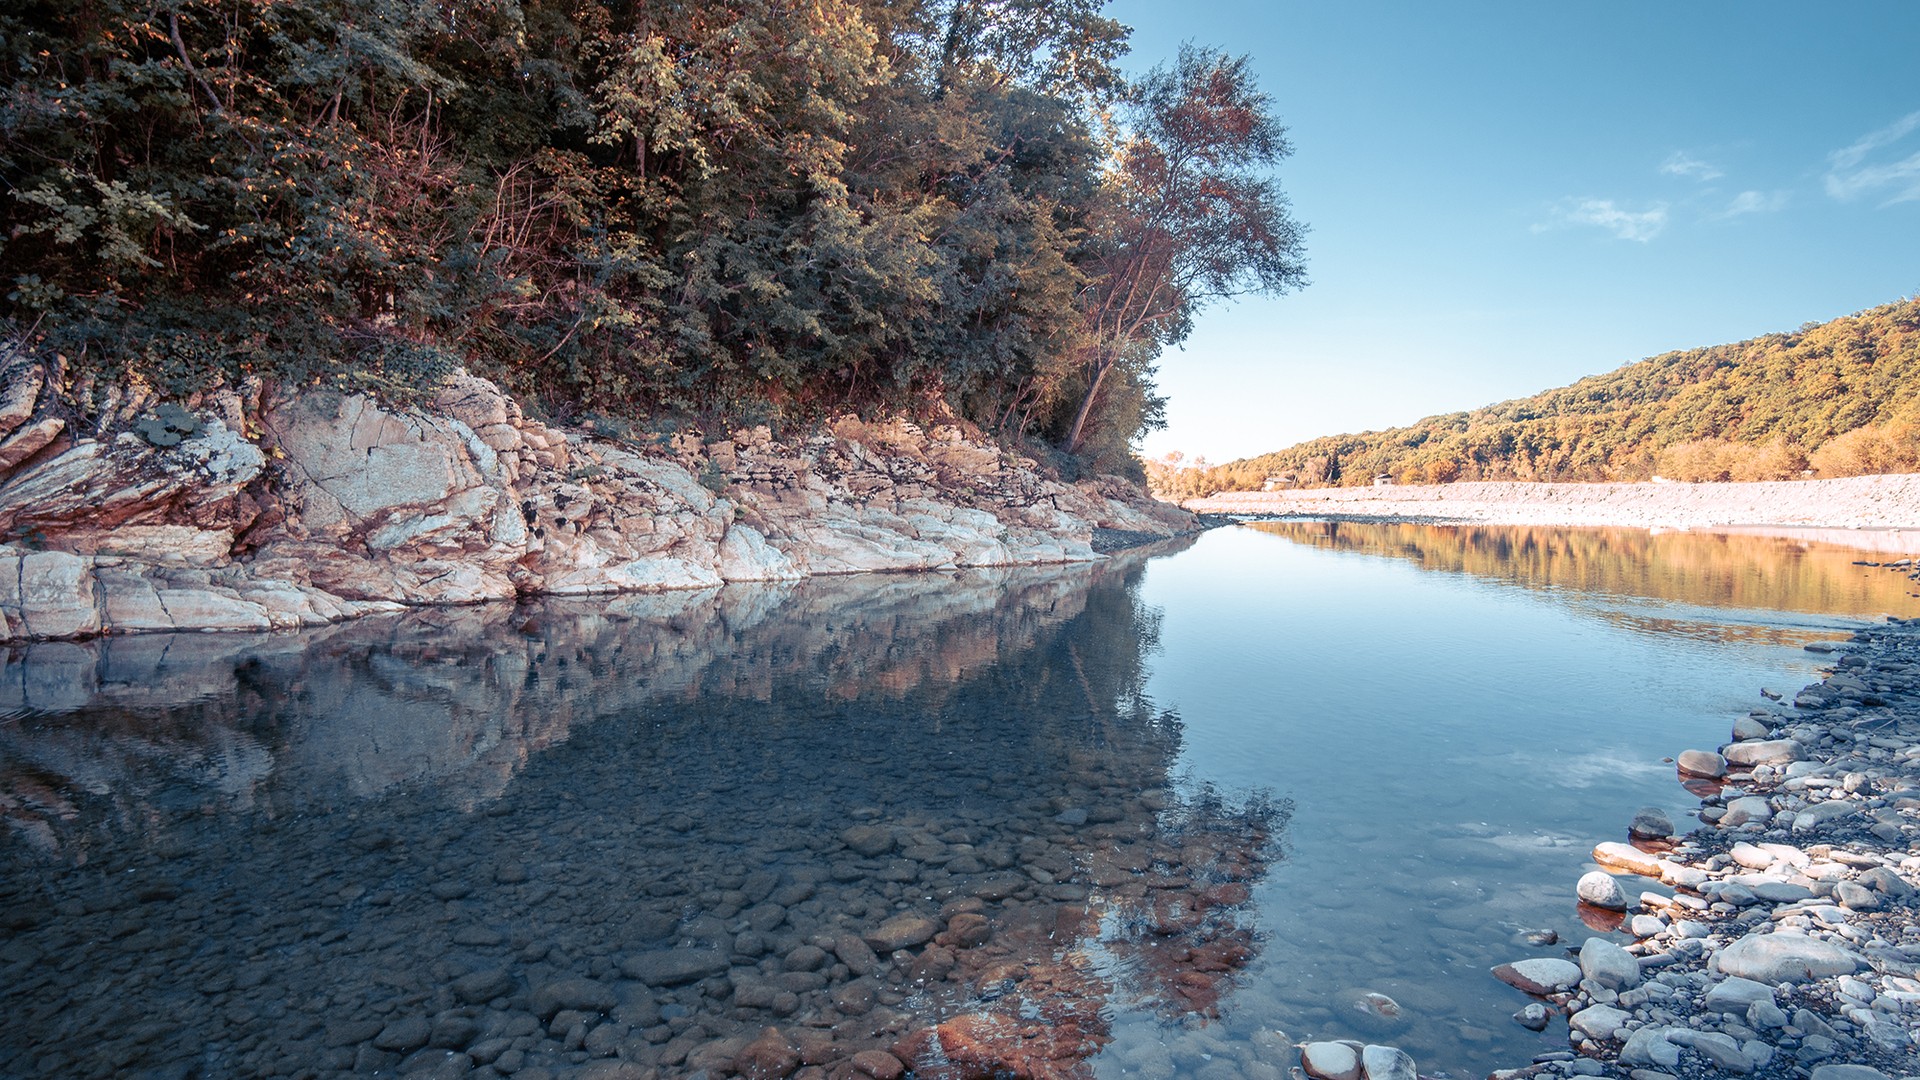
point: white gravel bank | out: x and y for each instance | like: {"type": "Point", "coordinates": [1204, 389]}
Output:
{"type": "Point", "coordinates": [1855, 502]}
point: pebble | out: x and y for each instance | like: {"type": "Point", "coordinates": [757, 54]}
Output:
{"type": "Point", "coordinates": [403, 1036]}
{"type": "Point", "coordinates": [666, 968]}
{"type": "Point", "coordinates": [1540, 975]}
{"type": "Point", "coordinates": [1599, 1022]}
{"type": "Point", "coordinates": [1534, 1016]}
{"type": "Point", "coordinates": [579, 995]}
{"type": "Point", "coordinates": [1387, 1063]}
{"type": "Point", "coordinates": [1650, 823]}
{"type": "Point", "coordinates": [1330, 1061]}
{"type": "Point", "coordinates": [903, 931]}
{"type": "Point", "coordinates": [482, 986]}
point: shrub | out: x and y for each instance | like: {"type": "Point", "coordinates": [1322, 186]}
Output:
{"type": "Point", "coordinates": [1885, 448]}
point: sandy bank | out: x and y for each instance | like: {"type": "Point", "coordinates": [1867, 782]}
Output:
{"type": "Point", "coordinates": [1859, 502]}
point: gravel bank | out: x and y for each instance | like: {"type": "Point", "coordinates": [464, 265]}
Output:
{"type": "Point", "coordinates": [1856, 502]}
{"type": "Point", "coordinates": [1782, 939]}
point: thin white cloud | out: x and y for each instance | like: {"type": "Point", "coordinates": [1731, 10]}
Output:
{"type": "Point", "coordinates": [1636, 225]}
{"type": "Point", "coordinates": [1753, 202]}
{"type": "Point", "coordinates": [1680, 163]}
{"type": "Point", "coordinates": [1865, 168]}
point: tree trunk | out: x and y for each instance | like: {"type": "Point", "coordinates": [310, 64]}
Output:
{"type": "Point", "coordinates": [1086, 407]}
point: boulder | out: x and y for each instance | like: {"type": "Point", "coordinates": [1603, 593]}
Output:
{"type": "Point", "coordinates": [1629, 858]}
{"type": "Point", "coordinates": [1784, 956]}
{"type": "Point", "coordinates": [1702, 763]}
{"type": "Point", "coordinates": [1762, 752]}
{"type": "Point", "coordinates": [52, 595]}
{"type": "Point", "coordinates": [1608, 964]}
{"type": "Point", "coordinates": [1600, 890]}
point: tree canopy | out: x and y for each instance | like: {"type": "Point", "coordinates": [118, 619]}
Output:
{"type": "Point", "coordinates": [724, 209]}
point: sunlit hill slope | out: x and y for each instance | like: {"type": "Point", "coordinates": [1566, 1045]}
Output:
{"type": "Point", "coordinates": [1832, 399]}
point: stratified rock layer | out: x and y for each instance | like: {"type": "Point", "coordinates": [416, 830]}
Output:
{"type": "Point", "coordinates": [284, 510]}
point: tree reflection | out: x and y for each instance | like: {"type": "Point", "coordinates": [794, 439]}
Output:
{"type": "Point", "coordinates": [1723, 570]}
{"type": "Point", "coordinates": [767, 775]}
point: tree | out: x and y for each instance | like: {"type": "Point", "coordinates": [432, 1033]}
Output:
{"type": "Point", "coordinates": [1192, 214]}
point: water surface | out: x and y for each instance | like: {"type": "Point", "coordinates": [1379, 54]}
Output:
{"type": "Point", "coordinates": [1166, 815]}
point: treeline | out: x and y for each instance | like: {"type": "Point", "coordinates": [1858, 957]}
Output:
{"type": "Point", "coordinates": [735, 210]}
{"type": "Point", "coordinates": [1834, 399]}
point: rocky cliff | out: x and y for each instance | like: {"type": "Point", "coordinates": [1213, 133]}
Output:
{"type": "Point", "coordinates": [264, 509]}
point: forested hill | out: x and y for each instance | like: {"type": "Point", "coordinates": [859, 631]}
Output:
{"type": "Point", "coordinates": [1839, 398]}
{"type": "Point", "coordinates": [647, 214]}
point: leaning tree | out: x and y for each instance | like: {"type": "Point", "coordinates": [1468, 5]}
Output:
{"type": "Point", "coordinates": [1191, 215]}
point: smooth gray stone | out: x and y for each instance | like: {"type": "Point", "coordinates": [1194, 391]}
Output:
{"type": "Point", "coordinates": [1784, 957]}
{"type": "Point", "coordinates": [1735, 995]}
{"type": "Point", "coordinates": [1608, 964]}
{"type": "Point", "coordinates": [673, 967]}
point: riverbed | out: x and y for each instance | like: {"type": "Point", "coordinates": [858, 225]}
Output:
{"type": "Point", "coordinates": [1167, 814]}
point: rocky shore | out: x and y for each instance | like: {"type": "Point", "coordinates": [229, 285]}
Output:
{"type": "Point", "coordinates": [1781, 939]}
{"type": "Point", "coordinates": [260, 508]}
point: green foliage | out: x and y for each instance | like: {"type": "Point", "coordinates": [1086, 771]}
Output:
{"type": "Point", "coordinates": [1190, 215]}
{"type": "Point", "coordinates": [1835, 397]}
{"type": "Point", "coordinates": [727, 209]}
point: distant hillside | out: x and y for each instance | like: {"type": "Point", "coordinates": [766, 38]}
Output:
{"type": "Point", "coordinates": [1840, 398]}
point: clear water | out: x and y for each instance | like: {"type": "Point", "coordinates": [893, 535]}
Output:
{"type": "Point", "coordinates": [1197, 805]}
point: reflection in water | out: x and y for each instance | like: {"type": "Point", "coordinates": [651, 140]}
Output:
{"type": "Point", "coordinates": [929, 815]}
{"type": "Point", "coordinates": [1720, 570]}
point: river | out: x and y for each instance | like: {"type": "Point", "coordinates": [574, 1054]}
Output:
{"type": "Point", "coordinates": [1163, 815]}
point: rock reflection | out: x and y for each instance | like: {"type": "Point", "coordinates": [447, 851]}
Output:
{"type": "Point", "coordinates": [831, 829]}
{"type": "Point", "coordinates": [1722, 570]}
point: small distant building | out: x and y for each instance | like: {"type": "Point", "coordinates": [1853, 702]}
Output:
{"type": "Point", "coordinates": [1277, 483]}
{"type": "Point", "coordinates": [1383, 480]}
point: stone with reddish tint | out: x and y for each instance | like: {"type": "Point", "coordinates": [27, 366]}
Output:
{"type": "Point", "coordinates": [769, 1057]}
{"type": "Point", "coordinates": [1540, 975]}
{"type": "Point", "coordinates": [967, 930]}
{"type": "Point", "coordinates": [878, 1064]}
{"type": "Point", "coordinates": [903, 931]}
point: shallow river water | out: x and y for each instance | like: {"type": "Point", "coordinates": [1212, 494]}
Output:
{"type": "Point", "coordinates": [1161, 816]}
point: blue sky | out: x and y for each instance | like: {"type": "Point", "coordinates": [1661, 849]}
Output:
{"type": "Point", "coordinates": [1507, 197]}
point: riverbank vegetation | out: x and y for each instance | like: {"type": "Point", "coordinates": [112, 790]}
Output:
{"type": "Point", "coordinates": [1833, 399]}
{"type": "Point", "coordinates": [652, 215]}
